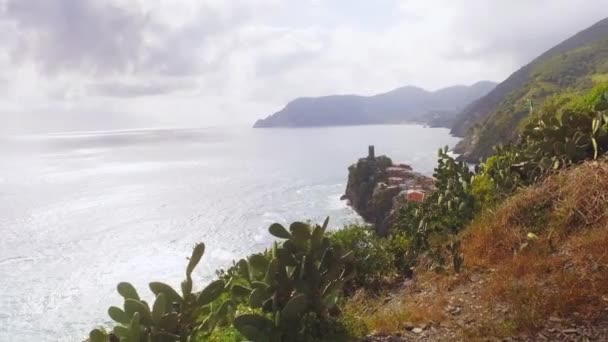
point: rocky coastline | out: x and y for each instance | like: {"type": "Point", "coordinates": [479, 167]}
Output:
{"type": "Point", "coordinates": [377, 188]}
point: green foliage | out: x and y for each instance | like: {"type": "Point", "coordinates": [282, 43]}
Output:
{"type": "Point", "coordinates": [572, 72]}
{"type": "Point", "coordinates": [374, 258]}
{"type": "Point", "coordinates": [400, 247]}
{"type": "Point", "coordinates": [442, 214]}
{"type": "Point", "coordinates": [484, 191]}
{"type": "Point", "coordinates": [568, 129]}
{"type": "Point", "coordinates": [354, 324]}
{"type": "Point", "coordinates": [301, 278]}
{"type": "Point", "coordinates": [173, 317]}
{"type": "Point", "coordinates": [286, 294]}
{"type": "Point", "coordinates": [224, 334]}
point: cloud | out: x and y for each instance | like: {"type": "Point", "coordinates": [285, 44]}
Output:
{"type": "Point", "coordinates": [137, 89]}
{"type": "Point", "coordinates": [213, 62]}
{"type": "Point", "coordinates": [518, 30]}
{"type": "Point", "coordinates": [84, 35]}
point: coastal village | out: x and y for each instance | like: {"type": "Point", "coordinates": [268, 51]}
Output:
{"type": "Point", "coordinates": [377, 188]}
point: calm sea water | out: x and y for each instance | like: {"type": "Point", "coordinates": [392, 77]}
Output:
{"type": "Point", "coordinates": [80, 212]}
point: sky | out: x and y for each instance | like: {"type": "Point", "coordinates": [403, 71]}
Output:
{"type": "Point", "coordinates": [113, 64]}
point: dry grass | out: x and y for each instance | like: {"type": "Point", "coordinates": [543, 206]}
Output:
{"type": "Point", "coordinates": [562, 269]}
{"type": "Point", "coordinates": [388, 315]}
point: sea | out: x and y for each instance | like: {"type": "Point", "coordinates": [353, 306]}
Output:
{"type": "Point", "coordinates": [82, 211]}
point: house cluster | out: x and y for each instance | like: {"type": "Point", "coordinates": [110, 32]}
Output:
{"type": "Point", "coordinates": [410, 186]}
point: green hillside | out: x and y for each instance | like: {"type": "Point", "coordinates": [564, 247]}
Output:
{"type": "Point", "coordinates": [573, 66]}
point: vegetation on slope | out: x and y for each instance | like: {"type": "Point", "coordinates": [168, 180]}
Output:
{"type": "Point", "coordinates": [548, 249]}
{"type": "Point", "coordinates": [535, 232]}
{"type": "Point", "coordinates": [538, 258]}
{"type": "Point", "coordinates": [574, 65]}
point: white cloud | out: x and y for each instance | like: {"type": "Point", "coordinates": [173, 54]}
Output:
{"type": "Point", "coordinates": [119, 63]}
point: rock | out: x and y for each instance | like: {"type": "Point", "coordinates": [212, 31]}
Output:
{"type": "Point", "coordinates": [456, 311]}
{"type": "Point", "coordinates": [373, 188]}
{"type": "Point", "coordinates": [363, 178]}
{"type": "Point", "coordinates": [555, 319]}
{"type": "Point", "coordinates": [542, 337]}
{"type": "Point", "coordinates": [417, 330]}
{"type": "Point", "coordinates": [409, 326]}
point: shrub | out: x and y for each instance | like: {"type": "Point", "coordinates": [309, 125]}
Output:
{"type": "Point", "coordinates": [400, 247]}
{"type": "Point", "coordinates": [428, 227]}
{"type": "Point", "coordinates": [296, 288]}
{"type": "Point", "coordinates": [484, 191]}
{"type": "Point", "coordinates": [373, 257]}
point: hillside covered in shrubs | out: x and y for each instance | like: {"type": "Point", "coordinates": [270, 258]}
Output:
{"type": "Point", "coordinates": [514, 247]}
{"type": "Point", "coordinates": [576, 64]}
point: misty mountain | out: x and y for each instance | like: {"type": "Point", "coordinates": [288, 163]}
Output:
{"type": "Point", "coordinates": [575, 64]}
{"type": "Point", "coordinates": [406, 104]}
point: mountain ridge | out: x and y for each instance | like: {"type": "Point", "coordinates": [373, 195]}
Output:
{"type": "Point", "coordinates": [476, 123]}
{"type": "Point", "coordinates": [405, 104]}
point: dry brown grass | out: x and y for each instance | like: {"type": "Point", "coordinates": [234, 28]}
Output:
{"type": "Point", "coordinates": [562, 269]}
{"type": "Point", "coordinates": [388, 315]}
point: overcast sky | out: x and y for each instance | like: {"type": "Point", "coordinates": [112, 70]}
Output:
{"type": "Point", "coordinates": [101, 64]}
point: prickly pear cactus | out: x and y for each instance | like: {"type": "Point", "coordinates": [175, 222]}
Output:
{"type": "Point", "coordinates": [303, 274]}
{"type": "Point", "coordinates": [173, 316]}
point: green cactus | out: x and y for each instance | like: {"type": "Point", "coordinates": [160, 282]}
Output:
{"type": "Point", "coordinates": [303, 274]}
{"type": "Point", "coordinates": [173, 317]}
{"type": "Point", "coordinates": [98, 335]}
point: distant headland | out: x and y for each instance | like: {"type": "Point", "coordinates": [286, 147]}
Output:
{"type": "Point", "coordinates": [407, 104]}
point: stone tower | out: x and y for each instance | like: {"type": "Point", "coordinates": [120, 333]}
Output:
{"type": "Point", "coordinates": [371, 155]}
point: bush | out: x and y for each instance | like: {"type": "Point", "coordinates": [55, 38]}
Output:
{"type": "Point", "coordinates": [373, 256]}
{"type": "Point", "coordinates": [484, 192]}
{"type": "Point", "coordinates": [429, 227]}
{"type": "Point", "coordinates": [400, 247]}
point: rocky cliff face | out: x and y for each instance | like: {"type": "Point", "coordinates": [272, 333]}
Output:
{"type": "Point", "coordinates": [376, 188]}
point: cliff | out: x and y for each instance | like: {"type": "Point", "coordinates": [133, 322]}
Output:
{"type": "Point", "coordinates": [377, 187]}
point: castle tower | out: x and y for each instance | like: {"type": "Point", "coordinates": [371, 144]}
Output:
{"type": "Point", "coordinates": [371, 155]}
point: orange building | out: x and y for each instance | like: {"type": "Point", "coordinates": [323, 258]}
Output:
{"type": "Point", "coordinates": [415, 196]}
